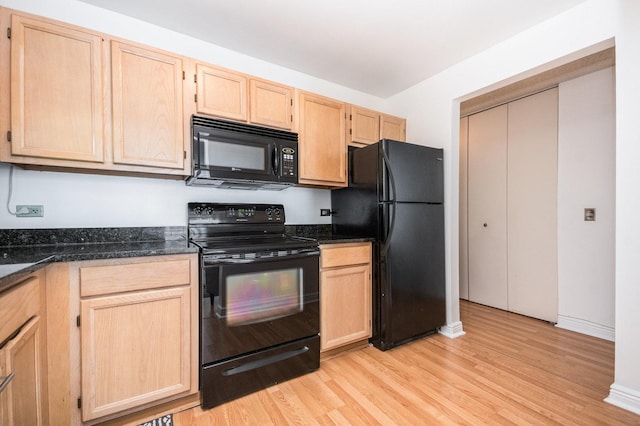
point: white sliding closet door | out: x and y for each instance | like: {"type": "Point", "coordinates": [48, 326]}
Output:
{"type": "Point", "coordinates": [511, 196]}
{"type": "Point", "coordinates": [532, 188]}
{"type": "Point", "coordinates": [487, 207]}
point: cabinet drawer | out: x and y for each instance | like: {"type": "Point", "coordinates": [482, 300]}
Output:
{"type": "Point", "coordinates": [333, 255]}
{"type": "Point", "coordinates": [18, 305]}
{"type": "Point", "coordinates": [117, 278]}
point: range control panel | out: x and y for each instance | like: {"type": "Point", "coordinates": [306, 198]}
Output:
{"type": "Point", "coordinates": [217, 213]}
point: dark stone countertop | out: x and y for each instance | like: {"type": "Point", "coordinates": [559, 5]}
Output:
{"type": "Point", "coordinates": [323, 234]}
{"type": "Point", "coordinates": [23, 251]}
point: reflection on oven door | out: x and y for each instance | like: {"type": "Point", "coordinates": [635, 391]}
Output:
{"type": "Point", "coordinates": [260, 296]}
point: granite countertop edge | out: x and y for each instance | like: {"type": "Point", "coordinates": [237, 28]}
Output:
{"type": "Point", "coordinates": [17, 262]}
{"type": "Point", "coordinates": [340, 239]}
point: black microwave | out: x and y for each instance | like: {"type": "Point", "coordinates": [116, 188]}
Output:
{"type": "Point", "coordinates": [227, 154]}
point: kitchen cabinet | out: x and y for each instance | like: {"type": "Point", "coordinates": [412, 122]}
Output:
{"type": "Point", "coordinates": [221, 93]}
{"type": "Point", "coordinates": [146, 91]}
{"type": "Point", "coordinates": [57, 109]}
{"type": "Point", "coordinates": [368, 126]}
{"type": "Point", "coordinates": [345, 294]}
{"type": "Point", "coordinates": [322, 148]}
{"type": "Point", "coordinates": [110, 105]}
{"type": "Point", "coordinates": [232, 95]}
{"type": "Point", "coordinates": [365, 126]}
{"type": "Point", "coordinates": [147, 309]}
{"type": "Point", "coordinates": [512, 206]}
{"type": "Point", "coordinates": [23, 354]}
{"type": "Point", "coordinates": [392, 127]}
{"type": "Point", "coordinates": [270, 104]}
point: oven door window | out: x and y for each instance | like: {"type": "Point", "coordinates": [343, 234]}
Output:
{"type": "Point", "coordinates": [250, 305]}
{"type": "Point", "coordinates": [260, 296]}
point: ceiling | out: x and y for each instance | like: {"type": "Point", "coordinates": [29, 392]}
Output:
{"type": "Point", "coordinates": [379, 47]}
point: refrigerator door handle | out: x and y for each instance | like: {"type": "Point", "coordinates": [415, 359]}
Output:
{"type": "Point", "coordinates": [392, 205]}
{"type": "Point", "coordinates": [389, 215]}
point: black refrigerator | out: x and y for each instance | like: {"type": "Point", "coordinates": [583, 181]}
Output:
{"type": "Point", "coordinates": [395, 196]}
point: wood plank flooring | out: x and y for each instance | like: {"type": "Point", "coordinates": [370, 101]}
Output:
{"type": "Point", "coordinates": [507, 369]}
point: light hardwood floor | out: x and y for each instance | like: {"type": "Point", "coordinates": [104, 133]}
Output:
{"type": "Point", "coordinates": [507, 369]}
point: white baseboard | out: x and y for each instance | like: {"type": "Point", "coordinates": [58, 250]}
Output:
{"type": "Point", "coordinates": [587, 327]}
{"type": "Point", "coordinates": [452, 330]}
{"type": "Point", "coordinates": [624, 397]}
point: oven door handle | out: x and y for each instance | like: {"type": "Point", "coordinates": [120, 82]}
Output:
{"type": "Point", "coordinates": [252, 365]}
{"type": "Point", "coordinates": [236, 261]}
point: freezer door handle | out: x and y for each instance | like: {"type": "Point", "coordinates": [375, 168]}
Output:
{"type": "Point", "coordinates": [392, 182]}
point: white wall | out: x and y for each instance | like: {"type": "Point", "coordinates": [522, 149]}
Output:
{"type": "Point", "coordinates": [586, 179]}
{"type": "Point", "coordinates": [432, 108]}
{"type": "Point", "coordinates": [80, 200]}
{"type": "Point", "coordinates": [84, 201]}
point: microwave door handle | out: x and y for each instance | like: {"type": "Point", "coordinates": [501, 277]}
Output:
{"type": "Point", "coordinates": [275, 160]}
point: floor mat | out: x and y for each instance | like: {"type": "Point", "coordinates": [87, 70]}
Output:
{"type": "Point", "coordinates": [160, 421]}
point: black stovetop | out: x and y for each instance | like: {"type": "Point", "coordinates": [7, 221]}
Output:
{"type": "Point", "coordinates": [241, 227]}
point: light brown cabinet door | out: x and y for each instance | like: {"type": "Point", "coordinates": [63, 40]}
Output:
{"type": "Point", "coordinates": [21, 400]}
{"type": "Point", "coordinates": [56, 91]}
{"type": "Point", "coordinates": [393, 128]}
{"type": "Point", "coordinates": [221, 93]}
{"type": "Point", "coordinates": [322, 145]}
{"type": "Point", "coordinates": [365, 126]}
{"type": "Point", "coordinates": [153, 329]}
{"type": "Point", "coordinates": [345, 294]}
{"type": "Point", "coordinates": [345, 305]}
{"type": "Point", "coordinates": [147, 96]}
{"type": "Point", "coordinates": [487, 207]}
{"type": "Point", "coordinates": [532, 205]}
{"type": "Point", "coordinates": [271, 104]}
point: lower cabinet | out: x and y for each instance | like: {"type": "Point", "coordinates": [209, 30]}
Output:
{"type": "Point", "coordinates": [122, 339]}
{"type": "Point", "coordinates": [345, 294]}
{"type": "Point", "coordinates": [23, 381]}
{"type": "Point", "coordinates": [138, 333]}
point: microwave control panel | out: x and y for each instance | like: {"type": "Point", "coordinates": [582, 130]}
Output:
{"type": "Point", "coordinates": [288, 156]}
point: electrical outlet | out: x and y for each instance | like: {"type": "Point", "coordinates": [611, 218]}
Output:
{"type": "Point", "coordinates": [325, 212]}
{"type": "Point", "coordinates": [589, 214]}
{"type": "Point", "coordinates": [29, 210]}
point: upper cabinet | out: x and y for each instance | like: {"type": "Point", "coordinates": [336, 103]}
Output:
{"type": "Point", "coordinates": [231, 95]}
{"type": "Point", "coordinates": [393, 128]}
{"type": "Point", "coordinates": [109, 105]}
{"type": "Point", "coordinates": [270, 104]}
{"type": "Point", "coordinates": [322, 145]}
{"type": "Point", "coordinates": [368, 126]}
{"type": "Point", "coordinates": [146, 91]}
{"type": "Point", "coordinates": [56, 105]}
{"type": "Point", "coordinates": [364, 126]}
{"type": "Point", "coordinates": [221, 93]}
{"type": "Point", "coordinates": [75, 99]}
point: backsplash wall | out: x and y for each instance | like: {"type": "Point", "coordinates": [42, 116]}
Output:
{"type": "Point", "coordinates": [73, 200]}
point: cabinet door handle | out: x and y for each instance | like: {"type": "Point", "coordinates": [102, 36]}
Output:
{"type": "Point", "coordinates": [5, 381]}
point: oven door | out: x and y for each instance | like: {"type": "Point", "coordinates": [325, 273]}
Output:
{"type": "Point", "coordinates": [253, 303]}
